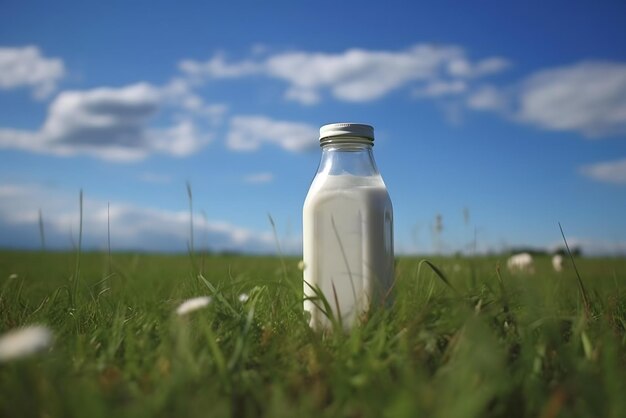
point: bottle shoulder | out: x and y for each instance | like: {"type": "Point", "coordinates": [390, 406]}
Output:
{"type": "Point", "coordinates": [346, 181]}
{"type": "Point", "coordinates": [346, 186]}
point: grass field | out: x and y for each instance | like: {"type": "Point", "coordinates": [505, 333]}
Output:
{"type": "Point", "coordinates": [488, 344]}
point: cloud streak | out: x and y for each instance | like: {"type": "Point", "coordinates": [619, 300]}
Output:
{"type": "Point", "coordinates": [355, 75]}
{"type": "Point", "coordinates": [259, 178]}
{"type": "Point", "coordinates": [607, 172]}
{"type": "Point", "coordinates": [26, 67]}
{"type": "Point", "coordinates": [249, 133]}
{"type": "Point", "coordinates": [132, 226]}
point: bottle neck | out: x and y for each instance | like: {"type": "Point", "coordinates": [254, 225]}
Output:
{"type": "Point", "coordinates": [354, 158]}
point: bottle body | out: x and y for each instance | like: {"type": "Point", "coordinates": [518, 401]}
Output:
{"type": "Point", "coordinates": [347, 236]}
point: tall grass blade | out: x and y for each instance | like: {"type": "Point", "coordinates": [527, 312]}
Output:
{"type": "Point", "coordinates": [190, 244]}
{"type": "Point", "coordinates": [325, 309]}
{"type": "Point", "coordinates": [508, 315]}
{"type": "Point", "coordinates": [240, 345]}
{"type": "Point", "coordinates": [278, 249]}
{"type": "Point", "coordinates": [190, 198]}
{"type": "Point", "coordinates": [439, 274]}
{"type": "Point", "coordinates": [218, 295]}
{"type": "Point", "coordinates": [339, 318]}
{"type": "Point", "coordinates": [109, 236]}
{"type": "Point", "coordinates": [42, 235]}
{"type": "Point", "coordinates": [216, 352]}
{"type": "Point", "coordinates": [79, 249]}
{"type": "Point", "coordinates": [581, 286]}
{"type": "Point", "coordinates": [205, 250]}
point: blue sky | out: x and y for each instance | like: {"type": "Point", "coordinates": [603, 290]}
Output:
{"type": "Point", "coordinates": [513, 113]}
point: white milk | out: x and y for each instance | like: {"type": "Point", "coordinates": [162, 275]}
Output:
{"type": "Point", "coordinates": [348, 245]}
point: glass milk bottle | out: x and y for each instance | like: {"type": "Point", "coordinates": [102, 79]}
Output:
{"type": "Point", "coordinates": [347, 228]}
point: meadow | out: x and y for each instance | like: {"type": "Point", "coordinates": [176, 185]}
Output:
{"type": "Point", "coordinates": [463, 338]}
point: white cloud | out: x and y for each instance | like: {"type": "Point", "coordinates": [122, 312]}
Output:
{"type": "Point", "coordinates": [132, 226]}
{"type": "Point", "coordinates": [356, 75]}
{"type": "Point", "coordinates": [217, 67]}
{"type": "Point", "coordinates": [179, 140]}
{"type": "Point", "coordinates": [259, 49]}
{"type": "Point", "coordinates": [461, 67]}
{"type": "Point", "coordinates": [26, 67]}
{"type": "Point", "coordinates": [609, 171]}
{"type": "Point", "coordinates": [109, 123]}
{"type": "Point", "coordinates": [259, 178]}
{"type": "Point", "coordinates": [488, 98]}
{"type": "Point", "coordinates": [248, 133]}
{"type": "Point", "coordinates": [179, 92]}
{"type": "Point", "coordinates": [441, 88]}
{"type": "Point", "coordinates": [305, 96]}
{"type": "Point", "coordinates": [588, 98]}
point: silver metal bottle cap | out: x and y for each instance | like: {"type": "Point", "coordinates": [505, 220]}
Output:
{"type": "Point", "coordinates": [347, 129]}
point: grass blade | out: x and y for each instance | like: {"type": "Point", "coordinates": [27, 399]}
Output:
{"type": "Point", "coordinates": [42, 235]}
{"type": "Point", "coordinates": [439, 274]}
{"type": "Point", "coordinates": [79, 249]}
{"type": "Point", "coordinates": [278, 249]}
{"type": "Point", "coordinates": [190, 198]}
{"type": "Point", "coordinates": [581, 286]}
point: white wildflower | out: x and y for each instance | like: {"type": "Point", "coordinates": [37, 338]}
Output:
{"type": "Point", "coordinates": [193, 304]}
{"type": "Point", "coordinates": [22, 342]}
{"type": "Point", "coordinates": [301, 265]}
{"type": "Point", "coordinates": [243, 298]}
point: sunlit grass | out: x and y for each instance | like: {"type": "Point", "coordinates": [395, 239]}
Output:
{"type": "Point", "coordinates": [462, 338]}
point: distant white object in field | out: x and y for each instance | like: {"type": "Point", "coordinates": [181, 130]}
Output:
{"type": "Point", "coordinates": [193, 304]}
{"type": "Point", "coordinates": [243, 298]}
{"type": "Point", "coordinates": [522, 262]}
{"type": "Point", "coordinates": [557, 262]}
{"type": "Point", "coordinates": [23, 342]}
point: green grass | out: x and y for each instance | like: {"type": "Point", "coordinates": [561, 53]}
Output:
{"type": "Point", "coordinates": [485, 344]}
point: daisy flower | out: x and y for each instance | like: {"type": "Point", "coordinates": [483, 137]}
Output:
{"type": "Point", "coordinates": [193, 304]}
{"type": "Point", "coordinates": [22, 342]}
